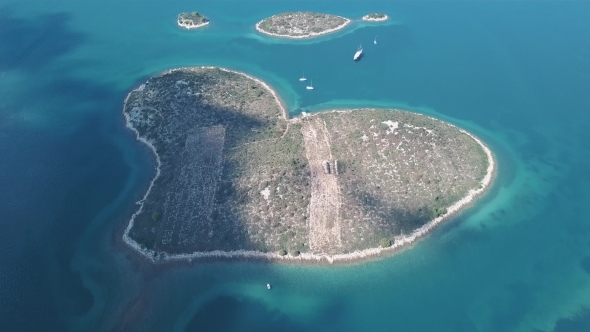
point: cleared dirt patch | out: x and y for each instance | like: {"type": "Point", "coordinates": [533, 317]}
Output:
{"type": "Point", "coordinates": [195, 183]}
{"type": "Point", "coordinates": [324, 207]}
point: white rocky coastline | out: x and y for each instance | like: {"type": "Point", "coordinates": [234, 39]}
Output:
{"type": "Point", "coordinates": [400, 242]}
{"type": "Point", "coordinates": [372, 19]}
{"type": "Point", "coordinates": [187, 24]}
{"type": "Point", "coordinates": [126, 238]}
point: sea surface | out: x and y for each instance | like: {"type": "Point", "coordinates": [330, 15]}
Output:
{"type": "Point", "coordinates": [516, 74]}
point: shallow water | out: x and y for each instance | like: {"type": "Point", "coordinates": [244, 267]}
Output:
{"type": "Point", "coordinates": [514, 73]}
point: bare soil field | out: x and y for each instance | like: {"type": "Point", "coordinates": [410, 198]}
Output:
{"type": "Point", "coordinates": [324, 207]}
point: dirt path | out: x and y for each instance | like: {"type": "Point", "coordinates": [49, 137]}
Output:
{"type": "Point", "coordinates": [324, 214]}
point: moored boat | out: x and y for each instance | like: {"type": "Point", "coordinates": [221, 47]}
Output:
{"type": "Point", "coordinates": [303, 77]}
{"type": "Point", "coordinates": [358, 53]}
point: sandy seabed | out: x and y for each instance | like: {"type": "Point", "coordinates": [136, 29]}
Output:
{"type": "Point", "coordinates": [401, 242]}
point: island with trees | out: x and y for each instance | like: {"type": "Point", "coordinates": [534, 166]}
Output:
{"type": "Point", "coordinates": [301, 24]}
{"type": "Point", "coordinates": [192, 20]}
{"type": "Point", "coordinates": [236, 177]}
{"type": "Point", "coordinates": [375, 17]}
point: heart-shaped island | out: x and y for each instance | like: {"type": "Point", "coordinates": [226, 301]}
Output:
{"type": "Point", "coordinates": [237, 178]}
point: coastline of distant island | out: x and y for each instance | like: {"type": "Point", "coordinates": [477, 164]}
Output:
{"type": "Point", "coordinates": [375, 17]}
{"type": "Point", "coordinates": [192, 20]}
{"type": "Point", "coordinates": [299, 25]}
{"type": "Point", "coordinates": [227, 141]}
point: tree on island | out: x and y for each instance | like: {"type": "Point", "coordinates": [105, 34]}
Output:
{"type": "Point", "coordinates": [155, 216]}
{"type": "Point", "coordinates": [438, 211]}
{"type": "Point", "coordinates": [385, 242]}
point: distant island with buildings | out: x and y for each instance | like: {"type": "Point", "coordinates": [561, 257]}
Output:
{"type": "Point", "coordinates": [297, 25]}
{"type": "Point", "coordinates": [191, 20]}
{"type": "Point", "coordinates": [301, 25]}
{"type": "Point", "coordinates": [236, 177]}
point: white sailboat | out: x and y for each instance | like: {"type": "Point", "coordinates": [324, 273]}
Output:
{"type": "Point", "coordinates": [375, 41]}
{"type": "Point", "coordinates": [310, 86]}
{"type": "Point", "coordinates": [268, 286]}
{"type": "Point", "coordinates": [358, 53]}
{"type": "Point", "coordinates": [303, 78]}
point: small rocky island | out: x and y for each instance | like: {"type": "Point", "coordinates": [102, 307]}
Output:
{"type": "Point", "coordinates": [301, 24]}
{"type": "Point", "coordinates": [192, 20]}
{"type": "Point", "coordinates": [375, 17]}
{"type": "Point", "coordinates": [237, 178]}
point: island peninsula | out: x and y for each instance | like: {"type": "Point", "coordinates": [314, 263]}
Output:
{"type": "Point", "coordinates": [192, 20]}
{"type": "Point", "coordinates": [375, 17]}
{"type": "Point", "coordinates": [236, 177]}
{"type": "Point", "coordinates": [301, 24]}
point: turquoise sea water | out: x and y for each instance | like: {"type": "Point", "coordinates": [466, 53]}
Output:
{"type": "Point", "coordinates": [517, 74]}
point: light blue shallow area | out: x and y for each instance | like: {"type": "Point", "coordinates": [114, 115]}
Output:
{"type": "Point", "coordinates": [516, 74]}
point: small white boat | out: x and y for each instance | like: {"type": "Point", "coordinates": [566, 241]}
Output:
{"type": "Point", "coordinates": [303, 78]}
{"type": "Point", "coordinates": [268, 286]}
{"type": "Point", "coordinates": [358, 53]}
{"type": "Point", "coordinates": [310, 86]}
{"type": "Point", "coordinates": [375, 41]}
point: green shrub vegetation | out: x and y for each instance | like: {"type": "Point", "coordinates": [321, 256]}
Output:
{"type": "Point", "coordinates": [195, 17]}
{"type": "Point", "coordinates": [385, 242]}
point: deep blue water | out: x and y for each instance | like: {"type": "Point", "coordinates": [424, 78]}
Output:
{"type": "Point", "coordinates": [517, 74]}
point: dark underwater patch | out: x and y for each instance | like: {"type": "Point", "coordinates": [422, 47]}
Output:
{"type": "Point", "coordinates": [31, 43]}
{"type": "Point", "coordinates": [228, 313]}
{"type": "Point", "coordinates": [578, 323]}
{"type": "Point", "coordinates": [585, 264]}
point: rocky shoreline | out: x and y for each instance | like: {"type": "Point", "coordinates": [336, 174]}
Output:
{"type": "Point", "coordinates": [191, 20]}
{"type": "Point", "coordinates": [190, 25]}
{"type": "Point", "coordinates": [375, 17]}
